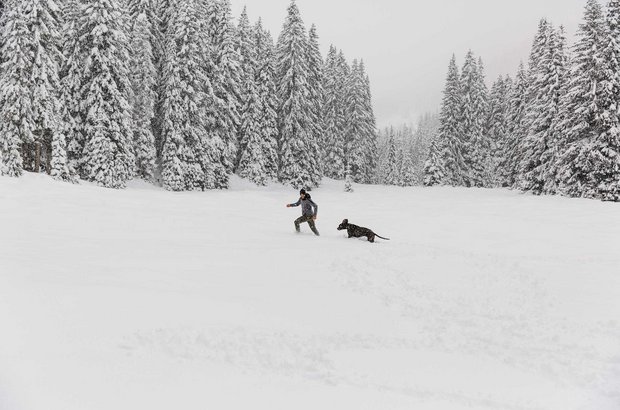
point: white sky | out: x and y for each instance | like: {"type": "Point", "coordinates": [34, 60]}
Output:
{"type": "Point", "coordinates": [407, 45]}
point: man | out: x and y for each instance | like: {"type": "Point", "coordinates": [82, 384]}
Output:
{"type": "Point", "coordinates": [309, 211]}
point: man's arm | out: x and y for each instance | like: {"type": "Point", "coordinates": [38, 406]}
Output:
{"type": "Point", "coordinates": [316, 208]}
{"type": "Point", "coordinates": [295, 204]}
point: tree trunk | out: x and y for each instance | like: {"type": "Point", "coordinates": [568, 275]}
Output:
{"type": "Point", "coordinates": [37, 158]}
{"type": "Point", "coordinates": [48, 159]}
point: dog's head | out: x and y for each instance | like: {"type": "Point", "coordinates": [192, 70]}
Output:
{"type": "Point", "coordinates": [343, 225]}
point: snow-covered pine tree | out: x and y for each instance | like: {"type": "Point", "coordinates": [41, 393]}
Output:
{"type": "Point", "coordinates": [162, 12]}
{"type": "Point", "coordinates": [545, 92]}
{"type": "Point", "coordinates": [188, 158]}
{"type": "Point", "coordinates": [580, 104]}
{"type": "Point", "coordinates": [434, 173]}
{"type": "Point", "coordinates": [143, 81]}
{"type": "Point", "coordinates": [315, 89]}
{"type": "Point", "coordinates": [382, 151]}
{"type": "Point", "coordinates": [446, 163]}
{"type": "Point", "coordinates": [59, 165]}
{"type": "Point", "coordinates": [333, 141]}
{"type": "Point", "coordinates": [407, 170]}
{"type": "Point", "coordinates": [246, 50]}
{"type": "Point", "coordinates": [43, 20]}
{"type": "Point", "coordinates": [348, 180]}
{"type": "Point", "coordinates": [32, 38]}
{"type": "Point", "coordinates": [354, 119]}
{"type": "Point", "coordinates": [560, 81]}
{"type": "Point", "coordinates": [522, 130]}
{"type": "Point", "coordinates": [479, 147]}
{"type": "Point", "coordinates": [589, 166]}
{"type": "Point", "coordinates": [604, 150]}
{"type": "Point", "coordinates": [16, 114]}
{"type": "Point", "coordinates": [369, 126]}
{"type": "Point", "coordinates": [48, 107]}
{"type": "Point", "coordinates": [225, 75]}
{"type": "Point", "coordinates": [497, 129]}
{"type": "Point", "coordinates": [517, 105]}
{"type": "Point", "coordinates": [71, 77]}
{"type": "Point", "coordinates": [427, 129]}
{"type": "Point", "coordinates": [250, 151]}
{"type": "Point", "coordinates": [392, 175]}
{"type": "Point", "coordinates": [471, 131]}
{"type": "Point", "coordinates": [266, 90]}
{"type": "Point", "coordinates": [258, 147]}
{"type": "Point", "coordinates": [299, 151]}
{"type": "Point", "coordinates": [108, 152]}
{"type": "Point", "coordinates": [343, 74]}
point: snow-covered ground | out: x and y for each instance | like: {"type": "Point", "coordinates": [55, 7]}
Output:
{"type": "Point", "coordinates": [145, 299]}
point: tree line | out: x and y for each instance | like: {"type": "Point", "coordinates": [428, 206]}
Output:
{"type": "Point", "coordinates": [553, 129]}
{"type": "Point", "coordinates": [403, 152]}
{"type": "Point", "coordinates": [178, 94]}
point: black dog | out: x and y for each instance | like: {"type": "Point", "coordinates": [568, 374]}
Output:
{"type": "Point", "coordinates": [358, 231]}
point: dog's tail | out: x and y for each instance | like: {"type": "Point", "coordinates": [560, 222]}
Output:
{"type": "Point", "coordinates": [379, 236]}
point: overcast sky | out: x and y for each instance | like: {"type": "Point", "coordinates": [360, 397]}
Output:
{"type": "Point", "coordinates": [407, 44]}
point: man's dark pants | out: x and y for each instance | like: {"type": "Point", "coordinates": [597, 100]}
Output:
{"type": "Point", "coordinates": [310, 220]}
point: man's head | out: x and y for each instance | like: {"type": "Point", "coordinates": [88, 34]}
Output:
{"type": "Point", "coordinates": [302, 193]}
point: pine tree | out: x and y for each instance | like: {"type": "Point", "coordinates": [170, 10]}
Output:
{"type": "Point", "coordinates": [478, 147]}
{"type": "Point", "coordinates": [342, 77]}
{"type": "Point", "coordinates": [258, 131]}
{"type": "Point", "coordinates": [71, 76]}
{"type": "Point", "coordinates": [471, 131]}
{"type": "Point", "coordinates": [225, 76]}
{"type": "Point", "coordinates": [522, 130]}
{"type": "Point", "coordinates": [517, 105]}
{"type": "Point", "coordinates": [143, 80]}
{"type": "Point", "coordinates": [559, 78]}
{"type": "Point", "coordinates": [422, 138]}
{"type": "Point", "coordinates": [579, 105]}
{"type": "Point", "coordinates": [434, 173]}
{"type": "Point", "coordinates": [588, 166]}
{"type": "Point", "coordinates": [246, 49]}
{"type": "Point", "coordinates": [333, 142]}
{"type": "Point", "coordinates": [315, 89]}
{"type": "Point", "coordinates": [250, 141]}
{"type": "Point", "coordinates": [393, 175]}
{"type": "Point", "coordinates": [498, 129]}
{"type": "Point", "coordinates": [188, 158]}
{"type": "Point", "coordinates": [108, 152]}
{"type": "Point", "coordinates": [446, 163]}
{"type": "Point", "coordinates": [32, 39]}
{"type": "Point", "coordinates": [299, 150]}
{"type": "Point", "coordinates": [162, 12]}
{"type": "Point", "coordinates": [59, 165]}
{"type": "Point", "coordinates": [16, 113]}
{"type": "Point", "coordinates": [604, 150]}
{"type": "Point", "coordinates": [407, 170]}
{"type": "Point", "coordinates": [354, 134]}
{"type": "Point", "coordinates": [348, 180]}
{"type": "Point", "coordinates": [45, 30]}
{"type": "Point", "coordinates": [546, 89]}
{"type": "Point", "coordinates": [369, 128]}
{"type": "Point", "coordinates": [266, 90]}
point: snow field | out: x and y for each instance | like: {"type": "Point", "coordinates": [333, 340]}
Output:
{"type": "Point", "coordinates": [483, 299]}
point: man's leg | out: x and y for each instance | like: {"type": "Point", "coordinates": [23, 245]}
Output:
{"type": "Point", "coordinates": [313, 226]}
{"type": "Point", "coordinates": [299, 221]}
